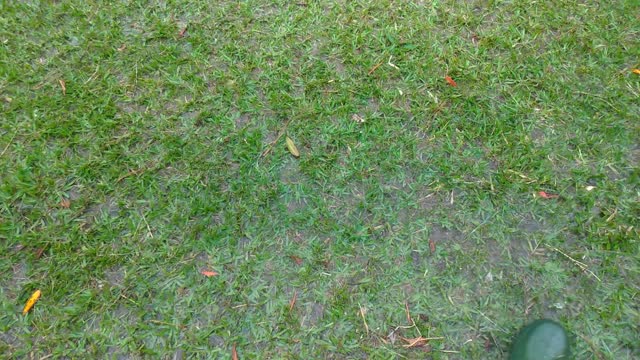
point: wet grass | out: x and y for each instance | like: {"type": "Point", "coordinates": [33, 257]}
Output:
{"type": "Point", "coordinates": [158, 159]}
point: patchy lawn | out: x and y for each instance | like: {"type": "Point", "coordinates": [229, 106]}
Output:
{"type": "Point", "coordinates": [143, 144]}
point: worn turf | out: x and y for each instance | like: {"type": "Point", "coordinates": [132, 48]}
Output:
{"type": "Point", "coordinates": [142, 142]}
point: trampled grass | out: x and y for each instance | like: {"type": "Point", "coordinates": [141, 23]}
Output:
{"type": "Point", "coordinates": [413, 209]}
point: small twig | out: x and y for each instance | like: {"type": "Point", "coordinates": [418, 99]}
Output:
{"type": "Point", "coordinates": [274, 142]}
{"type": "Point", "coordinates": [392, 64]}
{"type": "Point", "coordinates": [592, 346]}
{"type": "Point", "coordinates": [179, 326]}
{"type": "Point", "coordinates": [375, 67]}
{"type": "Point", "coordinates": [292, 303]}
{"type": "Point", "coordinates": [8, 144]}
{"type": "Point", "coordinates": [581, 265]}
{"type": "Point", "coordinates": [94, 74]}
{"type": "Point", "coordinates": [136, 172]}
{"type": "Point", "coordinates": [149, 233]}
{"type": "Point", "coordinates": [130, 173]}
{"type": "Point", "coordinates": [364, 320]}
{"type": "Point", "coordinates": [406, 309]}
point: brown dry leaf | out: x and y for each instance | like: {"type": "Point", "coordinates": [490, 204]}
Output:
{"type": "Point", "coordinates": [122, 47]}
{"type": "Point", "coordinates": [432, 246]}
{"type": "Point", "coordinates": [208, 273]}
{"type": "Point", "coordinates": [415, 342]}
{"type": "Point", "coordinates": [292, 303]}
{"type": "Point", "coordinates": [32, 300]}
{"type": "Point", "coordinates": [234, 353]}
{"type": "Point", "coordinates": [292, 147]}
{"type": "Point", "coordinates": [63, 85]}
{"type": "Point", "coordinates": [39, 252]}
{"type": "Point", "coordinates": [65, 203]}
{"type": "Point", "coordinates": [296, 259]}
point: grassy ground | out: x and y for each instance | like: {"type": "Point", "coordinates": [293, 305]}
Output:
{"type": "Point", "coordinates": [134, 154]}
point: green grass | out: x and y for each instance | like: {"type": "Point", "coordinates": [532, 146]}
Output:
{"type": "Point", "coordinates": [157, 145]}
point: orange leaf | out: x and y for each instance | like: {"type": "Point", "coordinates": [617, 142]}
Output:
{"type": "Point", "coordinates": [234, 353]}
{"type": "Point", "coordinates": [65, 203]}
{"type": "Point", "coordinates": [208, 273]}
{"type": "Point", "coordinates": [546, 195]}
{"type": "Point", "coordinates": [450, 81]}
{"type": "Point", "coordinates": [636, 71]}
{"type": "Point", "coordinates": [296, 259]}
{"type": "Point", "coordinates": [432, 246]}
{"type": "Point", "coordinates": [32, 300]}
{"type": "Point", "coordinates": [292, 303]}
{"type": "Point", "coordinates": [63, 85]}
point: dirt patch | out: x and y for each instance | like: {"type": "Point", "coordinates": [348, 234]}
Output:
{"type": "Point", "coordinates": [15, 281]}
{"type": "Point", "coordinates": [295, 206]}
{"type": "Point", "coordinates": [530, 225]}
{"type": "Point", "coordinates": [290, 173]}
{"type": "Point", "coordinates": [442, 236]}
{"type": "Point", "coordinates": [115, 352]}
{"type": "Point", "coordinates": [115, 276]}
{"type": "Point", "coordinates": [314, 313]}
{"type": "Point", "coordinates": [242, 120]}
{"type": "Point", "coordinates": [216, 341]}
{"type": "Point", "coordinates": [107, 208]}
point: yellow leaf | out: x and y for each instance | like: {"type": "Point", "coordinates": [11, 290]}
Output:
{"type": "Point", "coordinates": [292, 147]}
{"type": "Point", "coordinates": [32, 300]}
{"type": "Point", "coordinates": [636, 71]}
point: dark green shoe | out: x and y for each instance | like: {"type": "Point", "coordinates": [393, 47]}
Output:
{"type": "Point", "coordinates": [541, 340]}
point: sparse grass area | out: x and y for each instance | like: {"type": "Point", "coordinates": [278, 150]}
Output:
{"type": "Point", "coordinates": [429, 204]}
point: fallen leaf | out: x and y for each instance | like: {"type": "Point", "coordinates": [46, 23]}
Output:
{"type": "Point", "coordinates": [296, 259]}
{"type": "Point", "coordinates": [432, 246]}
{"type": "Point", "coordinates": [450, 81]}
{"type": "Point", "coordinates": [292, 147]}
{"type": "Point", "coordinates": [487, 344]}
{"type": "Point", "coordinates": [182, 32]}
{"type": "Point", "coordinates": [636, 71]}
{"type": "Point", "coordinates": [234, 353]}
{"type": "Point", "coordinates": [415, 342]}
{"type": "Point", "coordinates": [32, 300]}
{"type": "Point", "coordinates": [208, 273]}
{"type": "Point", "coordinates": [63, 85]}
{"type": "Point", "coordinates": [589, 188]}
{"type": "Point", "coordinates": [546, 195]}
{"type": "Point", "coordinates": [65, 203]}
{"type": "Point", "coordinates": [39, 252]}
{"type": "Point", "coordinates": [357, 118]}
{"type": "Point", "coordinates": [292, 303]}
{"type": "Point", "coordinates": [122, 47]}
